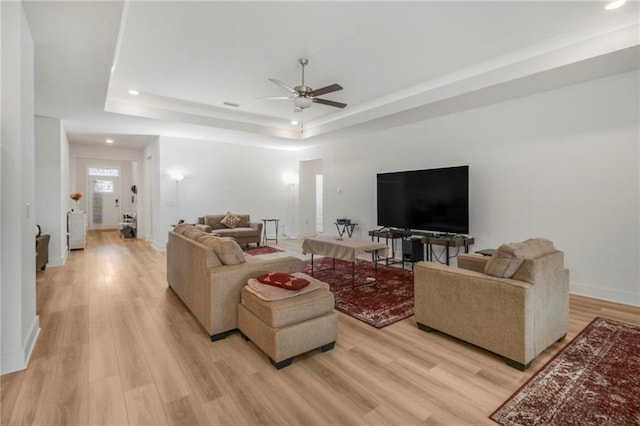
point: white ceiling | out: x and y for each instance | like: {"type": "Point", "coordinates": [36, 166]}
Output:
{"type": "Point", "coordinates": [397, 62]}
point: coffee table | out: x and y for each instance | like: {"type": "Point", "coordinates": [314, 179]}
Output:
{"type": "Point", "coordinates": [344, 249]}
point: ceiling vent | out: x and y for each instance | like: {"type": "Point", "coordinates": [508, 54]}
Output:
{"type": "Point", "coordinates": [231, 104]}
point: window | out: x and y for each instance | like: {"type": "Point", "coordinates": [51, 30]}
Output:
{"type": "Point", "coordinates": [102, 186]}
{"type": "Point", "coordinates": [99, 171]}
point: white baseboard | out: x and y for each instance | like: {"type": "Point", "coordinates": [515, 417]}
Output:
{"type": "Point", "coordinates": [617, 296]}
{"type": "Point", "coordinates": [158, 246]}
{"type": "Point", "coordinates": [57, 261]}
{"type": "Point", "coordinates": [19, 360]}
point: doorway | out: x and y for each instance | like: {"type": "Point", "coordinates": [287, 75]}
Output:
{"type": "Point", "coordinates": [103, 203]}
{"type": "Point", "coordinates": [311, 197]}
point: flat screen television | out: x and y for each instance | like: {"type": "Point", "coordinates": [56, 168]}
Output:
{"type": "Point", "coordinates": [434, 200]}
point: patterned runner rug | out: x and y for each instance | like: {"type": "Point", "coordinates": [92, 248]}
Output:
{"type": "Point", "coordinates": [594, 380]}
{"type": "Point", "coordinates": [388, 301]}
{"type": "Point", "coordinates": [256, 251]}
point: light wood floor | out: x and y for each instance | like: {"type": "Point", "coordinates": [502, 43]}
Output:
{"type": "Point", "coordinates": [118, 347]}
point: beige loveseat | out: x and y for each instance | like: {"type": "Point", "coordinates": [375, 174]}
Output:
{"type": "Point", "coordinates": [518, 311]}
{"type": "Point", "coordinates": [208, 272]}
{"type": "Point", "coordinates": [245, 232]}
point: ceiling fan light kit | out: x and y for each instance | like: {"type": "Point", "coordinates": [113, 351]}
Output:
{"type": "Point", "coordinates": [302, 102]}
{"type": "Point", "coordinates": [304, 96]}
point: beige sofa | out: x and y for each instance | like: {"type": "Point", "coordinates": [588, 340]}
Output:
{"type": "Point", "coordinates": [517, 314]}
{"type": "Point", "coordinates": [245, 232]}
{"type": "Point", "coordinates": [208, 272]}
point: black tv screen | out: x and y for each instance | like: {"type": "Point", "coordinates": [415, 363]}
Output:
{"type": "Point", "coordinates": [429, 200]}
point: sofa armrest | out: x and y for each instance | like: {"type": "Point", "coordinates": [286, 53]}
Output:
{"type": "Point", "coordinates": [257, 226]}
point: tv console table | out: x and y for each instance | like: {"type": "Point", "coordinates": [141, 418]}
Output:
{"type": "Point", "coordinates": [428, 239]}
{"type": "Point", "coordinates": [447, 242]}
{"type": "Point", "coordinates": [389, 234]}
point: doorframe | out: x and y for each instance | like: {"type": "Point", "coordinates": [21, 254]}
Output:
{"type": "Point", "coordinates": [89, 191]}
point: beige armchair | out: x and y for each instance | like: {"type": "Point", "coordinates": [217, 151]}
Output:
{"type": "Point", "coordinates": [515, 303]}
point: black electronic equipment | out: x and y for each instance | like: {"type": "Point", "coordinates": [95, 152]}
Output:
{"type": "Point", "coordinates": [412, 250]}
{"type": "Point", "coordinates": [427, 200]}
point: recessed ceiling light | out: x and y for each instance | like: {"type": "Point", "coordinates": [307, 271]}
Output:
{"type": "Point", "coordinates": [134, 92]}
{"type": "Point", "coordinates": [615, 4]}
{"type": "Point", "coordinates": [109, 141]}
{"type": "Point", "coordinates": [294, 122]}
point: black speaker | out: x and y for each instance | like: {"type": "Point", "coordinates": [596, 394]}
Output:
{"type": "Point", "coordinates": [412, 250]}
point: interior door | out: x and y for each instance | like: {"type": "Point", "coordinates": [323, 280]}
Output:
{"type": "Point", "coordinates": [104, 202]}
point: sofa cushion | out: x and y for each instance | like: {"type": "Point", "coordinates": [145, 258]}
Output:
{"type": "Point", "coordinates": [509, 257]}
{"type": "Point", "coordinates": [212, 258]}
{"type": "Point", "coordinates": [193, 233]}
{"type": "Point", "coordinates": [230, 220]}
{"type": "Point", "coordinates": [536, 247]}
{"type": "Point", "coordinates": [182, 228]}
{"type": "Point", "coordinates": [244, 221]}
{"type": "Point", "coordinates": [227, 250]}
{"type": "Point", "coordinates": [283, 280]}
{"type": "Point", "coordinates": [505, 261]}
{"type": "Point", "coordinates": [236, 232]}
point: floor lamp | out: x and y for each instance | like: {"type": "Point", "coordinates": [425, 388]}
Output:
{"type": "Point", "coordinates": [178, 178]}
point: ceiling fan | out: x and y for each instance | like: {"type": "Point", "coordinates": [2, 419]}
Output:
{"type": "Point", "coordinates": [304, 96]}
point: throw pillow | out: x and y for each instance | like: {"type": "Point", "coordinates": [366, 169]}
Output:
{"type": "Point", "coordinates": [505, 261]}
{"type": "Point", "coordinates": [283, 280]}
{"type": "Point", "coordinates": [227, 250]}
{"type": "Point", "coordinates": [230, 220]}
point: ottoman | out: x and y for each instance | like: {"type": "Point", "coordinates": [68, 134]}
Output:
{"type": "Point", "coordinates": [289, 326]}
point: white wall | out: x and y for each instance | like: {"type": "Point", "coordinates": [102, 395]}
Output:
{"type": "Point", "coordinates": [221, 177]}
{"type": "Point", "coordinates": [51, 185]}
{"type": "Point", "coordinates": [20, 324]}
{"type": "Point", "coordinates": [562, 164]}
{"type": "Point", "coordinates": [148, 190]}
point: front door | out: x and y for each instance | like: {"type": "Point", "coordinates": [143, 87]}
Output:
{"type": "Point", "coordinates": [103, 204]}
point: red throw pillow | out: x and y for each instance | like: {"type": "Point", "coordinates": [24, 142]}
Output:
{"type": "Point", "coordinates": [282, 280]}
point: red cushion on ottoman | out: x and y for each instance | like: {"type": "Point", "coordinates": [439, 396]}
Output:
{"type": "Point", "coordinates": [283, 280]}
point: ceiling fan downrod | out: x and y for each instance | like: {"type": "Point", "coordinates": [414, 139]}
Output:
{"type": "Point", "coordinates": [303, 63]}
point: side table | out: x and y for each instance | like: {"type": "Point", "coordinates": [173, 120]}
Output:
{"type": "Point", "coordinates": [264, 230]}
{"type": "Point", "coordinates": [447, 242]}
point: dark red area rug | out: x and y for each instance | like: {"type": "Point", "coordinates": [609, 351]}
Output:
{"type": "Point", "coordinates": [256, 251]}
{"type": "Point", "coordinates": [594, 380]}
{"type": "Point", "coordinates": [388, 301]}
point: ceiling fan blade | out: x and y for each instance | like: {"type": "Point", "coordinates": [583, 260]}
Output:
{"type": "Point", "coordinates": [326, 89]}
{"type": "Point", "coordinates": [276, 97]}
{"type": "Point", "coordinates": [330, 103]}
{"type": "Point", "coordinates": [284, 86]}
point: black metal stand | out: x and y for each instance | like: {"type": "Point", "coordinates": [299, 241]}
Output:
{"type": "Point", "coordinates": [264, 230]}
{"type": "Point", "coordinates": [374, 259]}
{"type": "Point", "coordinates": [345, 227]}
